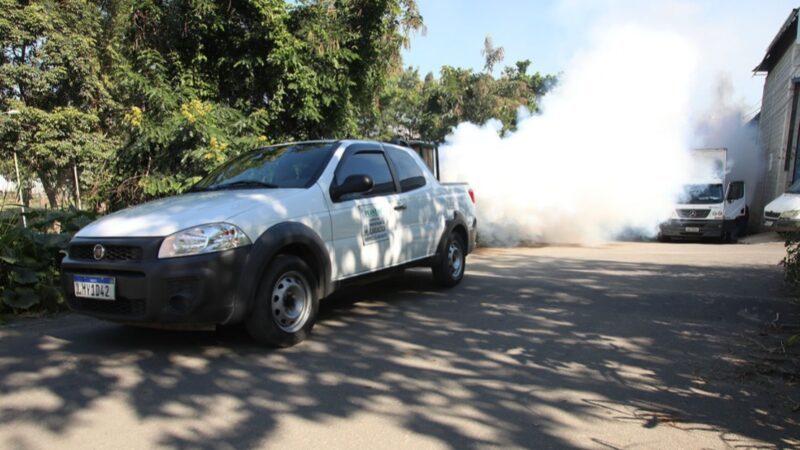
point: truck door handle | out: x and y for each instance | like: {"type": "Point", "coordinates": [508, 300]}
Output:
{"type": "Point", "coordinates": [401, 207]}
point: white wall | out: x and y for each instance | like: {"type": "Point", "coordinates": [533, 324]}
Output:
{"type": "Point", "coordinates": [776, 110]}
{"type": "Point", "coordinates": [7, 186]}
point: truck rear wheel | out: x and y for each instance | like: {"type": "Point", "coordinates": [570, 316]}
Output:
{"type": "Point", "coordinates": [448, 269]}
{"type": "Point", "coordinates": [286, 304]}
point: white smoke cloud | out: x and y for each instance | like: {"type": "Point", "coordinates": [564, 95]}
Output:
{"type": "Point", "coordinates": [608, 153]}
{"type": "Point", "coordinates": [726, 124]}
{"type": "Point", "coordinates": [730, 36]}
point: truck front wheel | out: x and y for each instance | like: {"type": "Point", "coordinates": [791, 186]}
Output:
{"type": "Point", "coordinates": [448, 269]}
{"type": "Point", "coordinates": [286, 304]}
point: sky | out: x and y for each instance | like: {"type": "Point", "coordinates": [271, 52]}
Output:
{"type": "Point", "coordinates": [731, 36]}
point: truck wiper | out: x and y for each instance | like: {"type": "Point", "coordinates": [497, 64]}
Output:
{"type": "Point", "coordinates": [241, 184]}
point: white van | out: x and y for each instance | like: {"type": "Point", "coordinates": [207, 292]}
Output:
{"type": "Point", "coordinates": [712, 206]}
{"type": "Point", "coordinates": [783, 213]}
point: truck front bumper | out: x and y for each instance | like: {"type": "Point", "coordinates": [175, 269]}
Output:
{"type": "Point", "coordinates": [781, 225]}
{"type": "Point", "coordinates": [694, 228]}
{"type": "Point", "coordinates": [197, 290]}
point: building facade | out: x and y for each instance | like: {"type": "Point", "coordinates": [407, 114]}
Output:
{"type": "Point", "coordinates": [779, 121]}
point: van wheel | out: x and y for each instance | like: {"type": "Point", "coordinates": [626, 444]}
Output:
{"type": "Point", "coordinates": [662, 238]}
{"type": "Point", "coordinates": [449, 269]}
{"type": "Point", "coordinates": [286, 304]}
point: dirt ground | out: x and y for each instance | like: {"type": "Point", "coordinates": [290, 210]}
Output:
{"type": "Point", "coordinates": [623, 345]}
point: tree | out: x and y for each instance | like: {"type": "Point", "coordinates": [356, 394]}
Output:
{"type": "Point", "coordinates": [50, 77]}
{"type": "Point", "coordinates": [429, 108]}
{"type": "Point", "coordinates": [401, 108]}
{"type": "Point", "coordinates": [205, 80]}
{"type": "Point", "coordinates": [492, 55]}
{"type": "Point", "coordinates": [143, 97]}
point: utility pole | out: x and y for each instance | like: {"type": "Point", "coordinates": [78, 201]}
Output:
{"type": "Point", "coordinates": [19, 192]}
{"type": "Point", "coordinates": [77, 184]}
{"type": "Point", "coordinates": [19, 180]}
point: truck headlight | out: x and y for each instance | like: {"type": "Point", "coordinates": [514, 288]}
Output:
{"type": "Point", "coordinates": [210, 238]}
{"type": "Point", "coordinates": [794, 214]}
{"type": "Point", "coordinates": [716, 214]}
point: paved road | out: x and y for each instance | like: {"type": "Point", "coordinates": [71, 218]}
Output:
{"type": "Point", "coordinates": [622, 345]}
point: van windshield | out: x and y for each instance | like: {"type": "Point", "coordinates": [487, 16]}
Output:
{"type": "Point", "coordinates": [701, 194]}
{"type": "Point", "coordinates": [282, 166]}
{"type": "Point", "coordinates": [794, 188]}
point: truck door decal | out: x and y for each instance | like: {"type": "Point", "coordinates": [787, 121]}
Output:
{"type": "Point", "coordinates": [373, 226]}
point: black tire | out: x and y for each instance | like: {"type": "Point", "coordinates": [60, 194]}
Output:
{"type": "Point", "coordinates": [662, 238]}
{"type": "Point", "coordinates": [448, 269]}
{"type": "Point", "coordinates": [732, 236]}
{"type": "Point", "coordinates": [276, 320]}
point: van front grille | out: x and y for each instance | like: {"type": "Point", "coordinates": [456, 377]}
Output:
{"type": "Point", "coordinates": [693, 213]}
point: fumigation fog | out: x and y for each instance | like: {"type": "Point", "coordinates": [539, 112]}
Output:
{"type": "Point", "coordinates": [608, 152]}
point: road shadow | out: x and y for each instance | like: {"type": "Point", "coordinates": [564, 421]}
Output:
{"type": "Point", "coordinates": [508, 358]}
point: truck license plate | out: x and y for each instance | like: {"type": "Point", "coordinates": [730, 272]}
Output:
{"type": "Point", "coordinates": [93, 286]}
{"type": "Point", "coordinates": [692, 229]}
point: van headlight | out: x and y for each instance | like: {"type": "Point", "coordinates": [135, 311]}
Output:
{"type": "Point", "coordinates": [214, 237]}
{"type": "Point", "coordinates": [717, 214]}
{"type": "Point", "coordinates": [794, 214]}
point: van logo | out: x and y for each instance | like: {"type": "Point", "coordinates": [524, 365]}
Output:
{"type": "Point", "coordinates": [99, 252]}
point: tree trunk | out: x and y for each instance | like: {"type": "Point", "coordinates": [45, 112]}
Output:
{"type": "Point", "coordinates": [50, 190]}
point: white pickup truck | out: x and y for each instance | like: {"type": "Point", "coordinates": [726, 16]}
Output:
{"type": "Point", "coordinates": [266, 236]}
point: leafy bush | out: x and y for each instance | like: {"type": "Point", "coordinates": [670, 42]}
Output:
{"type": "Point", "coordinates": [30, 256]}
{"type": "Point", "coordinates": [791, 269]}
{"type": "Point", "coordinates": [791, 262]}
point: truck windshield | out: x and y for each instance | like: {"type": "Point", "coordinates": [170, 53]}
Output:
{"type": "Point", "coordinates": [702, 194]}
{"type": "Point", "coordinates": [284, 166]}
{"type": "Point", "coordinates": [794, 188]}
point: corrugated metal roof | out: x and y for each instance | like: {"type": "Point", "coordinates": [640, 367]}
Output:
{"type": "Point", "coordinates": [782, 41]}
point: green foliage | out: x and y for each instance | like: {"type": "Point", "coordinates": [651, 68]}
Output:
{"type": "Point", "coordinates": [791, 268]}
{"type": "Point", "coordinates": [141, 97]}
{"type": "Point", "coordinates": [30, 257]}
{"type": "Point", "coordinates": [791, 262]}
{"type": "Point", "coordinates": [131, 93]}
{"type": "Point", "coordinates": [429, 108]}
{"type": "Point", "coordinates": [207, 80]}
{"type": "Point", "coordinates": [53, 95]}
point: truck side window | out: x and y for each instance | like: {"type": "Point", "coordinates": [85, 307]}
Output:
{"type": "Point", "coordinates": [736, 190]}
{"type": "Point", "coordinates": [408, 170]}
{"type": "Point", "coordinates": [368, 163]}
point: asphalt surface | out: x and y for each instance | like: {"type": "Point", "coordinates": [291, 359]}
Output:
{"type": "Point", "coordinates": [625, 345]}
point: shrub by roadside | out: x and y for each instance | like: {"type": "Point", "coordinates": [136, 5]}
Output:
{"type": "Point", "coordinates": [791, 267]}
{"type": "Point", "coordinates": [30, 257]}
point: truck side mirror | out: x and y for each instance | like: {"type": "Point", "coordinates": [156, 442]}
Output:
{"type": "Point", "coordinates": [354, 184]}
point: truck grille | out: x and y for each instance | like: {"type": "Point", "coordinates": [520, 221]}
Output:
{"type": "Point", "coordinates": [113, 253]}
{"type": "Point", "coordinates": [772, 214]}
{"type": "Point", "coordinates": [118, 307]}
{"type": "Point", "coordinates": [693, 213]}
